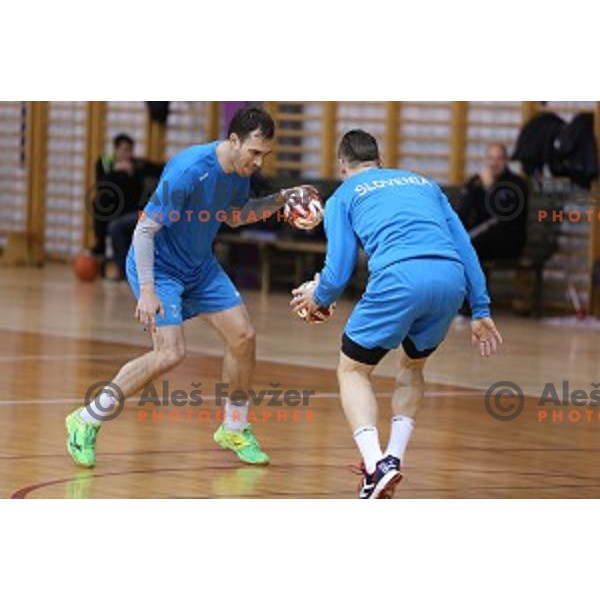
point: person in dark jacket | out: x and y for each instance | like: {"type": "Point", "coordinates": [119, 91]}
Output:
{"type": "Point", "coordinates": [494, 206]}
{"type": "Point", "coordinates": [120, 184]}
{"type": "Point", "coordinates": [577, 151]}
{"type": "Point", "coordinates": [535, 147]}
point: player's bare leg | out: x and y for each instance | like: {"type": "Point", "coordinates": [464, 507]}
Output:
{"type": "Point", "coordinates": [410, 387]}
{"type": "Point", "coordinates": [235, 328]}
{"type": "Point", "coordinates": [407, 397]}
{"type": "Point", "coordinates": [83, 424]}
{"type": "Point", "coordinates": [357, 395]}
{"type": "Point", "coordinates": [379, 475]}
{"type": "Point", "coordinates": [168, 352]}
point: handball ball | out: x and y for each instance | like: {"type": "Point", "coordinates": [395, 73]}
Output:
{"type": "Point", "coordinates": [303, 208]}
{"type": "Point", "coordinates": [321, 314]}
{"type": "Point", "coordinates": [86, 268]}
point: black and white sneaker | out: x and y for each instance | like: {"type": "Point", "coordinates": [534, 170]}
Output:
{"type": "Point", "coordinates": [382, 483]}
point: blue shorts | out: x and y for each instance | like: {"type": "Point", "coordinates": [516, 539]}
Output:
{"type": "Point", "coordinates": [212, 292]}
{"type": "Point", "coordinates": [411, 302]}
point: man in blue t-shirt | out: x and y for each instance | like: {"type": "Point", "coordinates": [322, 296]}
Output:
{"type": "Point", "coordinates": [175, 276]}
{"type": "Point", "coordinates": [421, 267]}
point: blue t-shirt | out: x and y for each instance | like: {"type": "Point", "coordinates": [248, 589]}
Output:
{"type": "Point", "coordinates": [191, 201]}
{"type": "Point", "coordinates": [394, 215]}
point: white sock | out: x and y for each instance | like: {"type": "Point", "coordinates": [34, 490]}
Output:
{"type": "Point", "coordinates": [402, 428]}
{"type": "Point", "coordinates": [101, 407]}
{"type": "Point", "coordinates": [367, 440]}
{"type": "Point", "coordinates": [236, 416]}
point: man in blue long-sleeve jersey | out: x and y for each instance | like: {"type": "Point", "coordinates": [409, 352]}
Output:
{"type": "Point", "coordinates": [175, 277]}
{"type": "Point", "coordinates": [421, 267]}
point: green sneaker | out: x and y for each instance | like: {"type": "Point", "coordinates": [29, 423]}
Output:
{"type": "Point", "coordinates": [243, 443]}
{"type": "Point", "coordinates": [81, 442]}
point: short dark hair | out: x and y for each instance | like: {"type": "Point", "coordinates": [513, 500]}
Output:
{"type": "Point", "coordinates": [123, 138]}
{"type": "Point", "coordinates": [358, 146]}
{"type": "Point", "coordinates": [247, 120]}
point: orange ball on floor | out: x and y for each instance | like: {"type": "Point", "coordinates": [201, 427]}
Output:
{"type": "Point", "coordinates": [86, 268]}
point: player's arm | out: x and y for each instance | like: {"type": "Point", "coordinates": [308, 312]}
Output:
{"type": "Point", "coordinates": [255, 209]}
{"type": "Point", "coordinates": [477, 295]}
{"type": "Point", "coordinates": [484, 334]}
{"type": "Point", "coordinates": [149, 304]}
{"type": "Point", "coordinates": [342, 253]}
{"type": "Point", "coordinates": [173, 187]}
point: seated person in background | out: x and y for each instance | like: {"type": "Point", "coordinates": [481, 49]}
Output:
{"type": "Point", "coordinates": [493, 207]}
{"type": "Point", "coordinates": [120, 231]}
{"type": "Point", "coordinates": [120, 185]}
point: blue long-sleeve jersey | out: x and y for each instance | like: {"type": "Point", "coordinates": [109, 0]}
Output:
{"type": "Point", "coordinates": [394, 215]}
{"type": "Point", "coordinates": [191, 201]}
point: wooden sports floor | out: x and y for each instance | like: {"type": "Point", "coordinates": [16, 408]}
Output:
{"type": "Point", "coordinates": [60, 336]}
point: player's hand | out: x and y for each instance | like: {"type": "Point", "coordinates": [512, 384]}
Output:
{"type": "Point", "coordinates": [303, 296]}
{"type": "Point", "coordinates": [147, 308]}
{"type": "Point", "coordinates": [485, 336]}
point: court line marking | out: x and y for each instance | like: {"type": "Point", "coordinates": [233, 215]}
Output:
{"type": "Point", "coordinates": [200, 350]}
{"type": "Point", "coordinates": [24, 492]}
{"type": "Point", "coordinates": [349, 448]}
{"type": "Point", "coordinates": [14, 402]}
{"type": "Point", "coordinates": [61, 357]}
{"type": "Point", "coordinates": [127, 356]}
